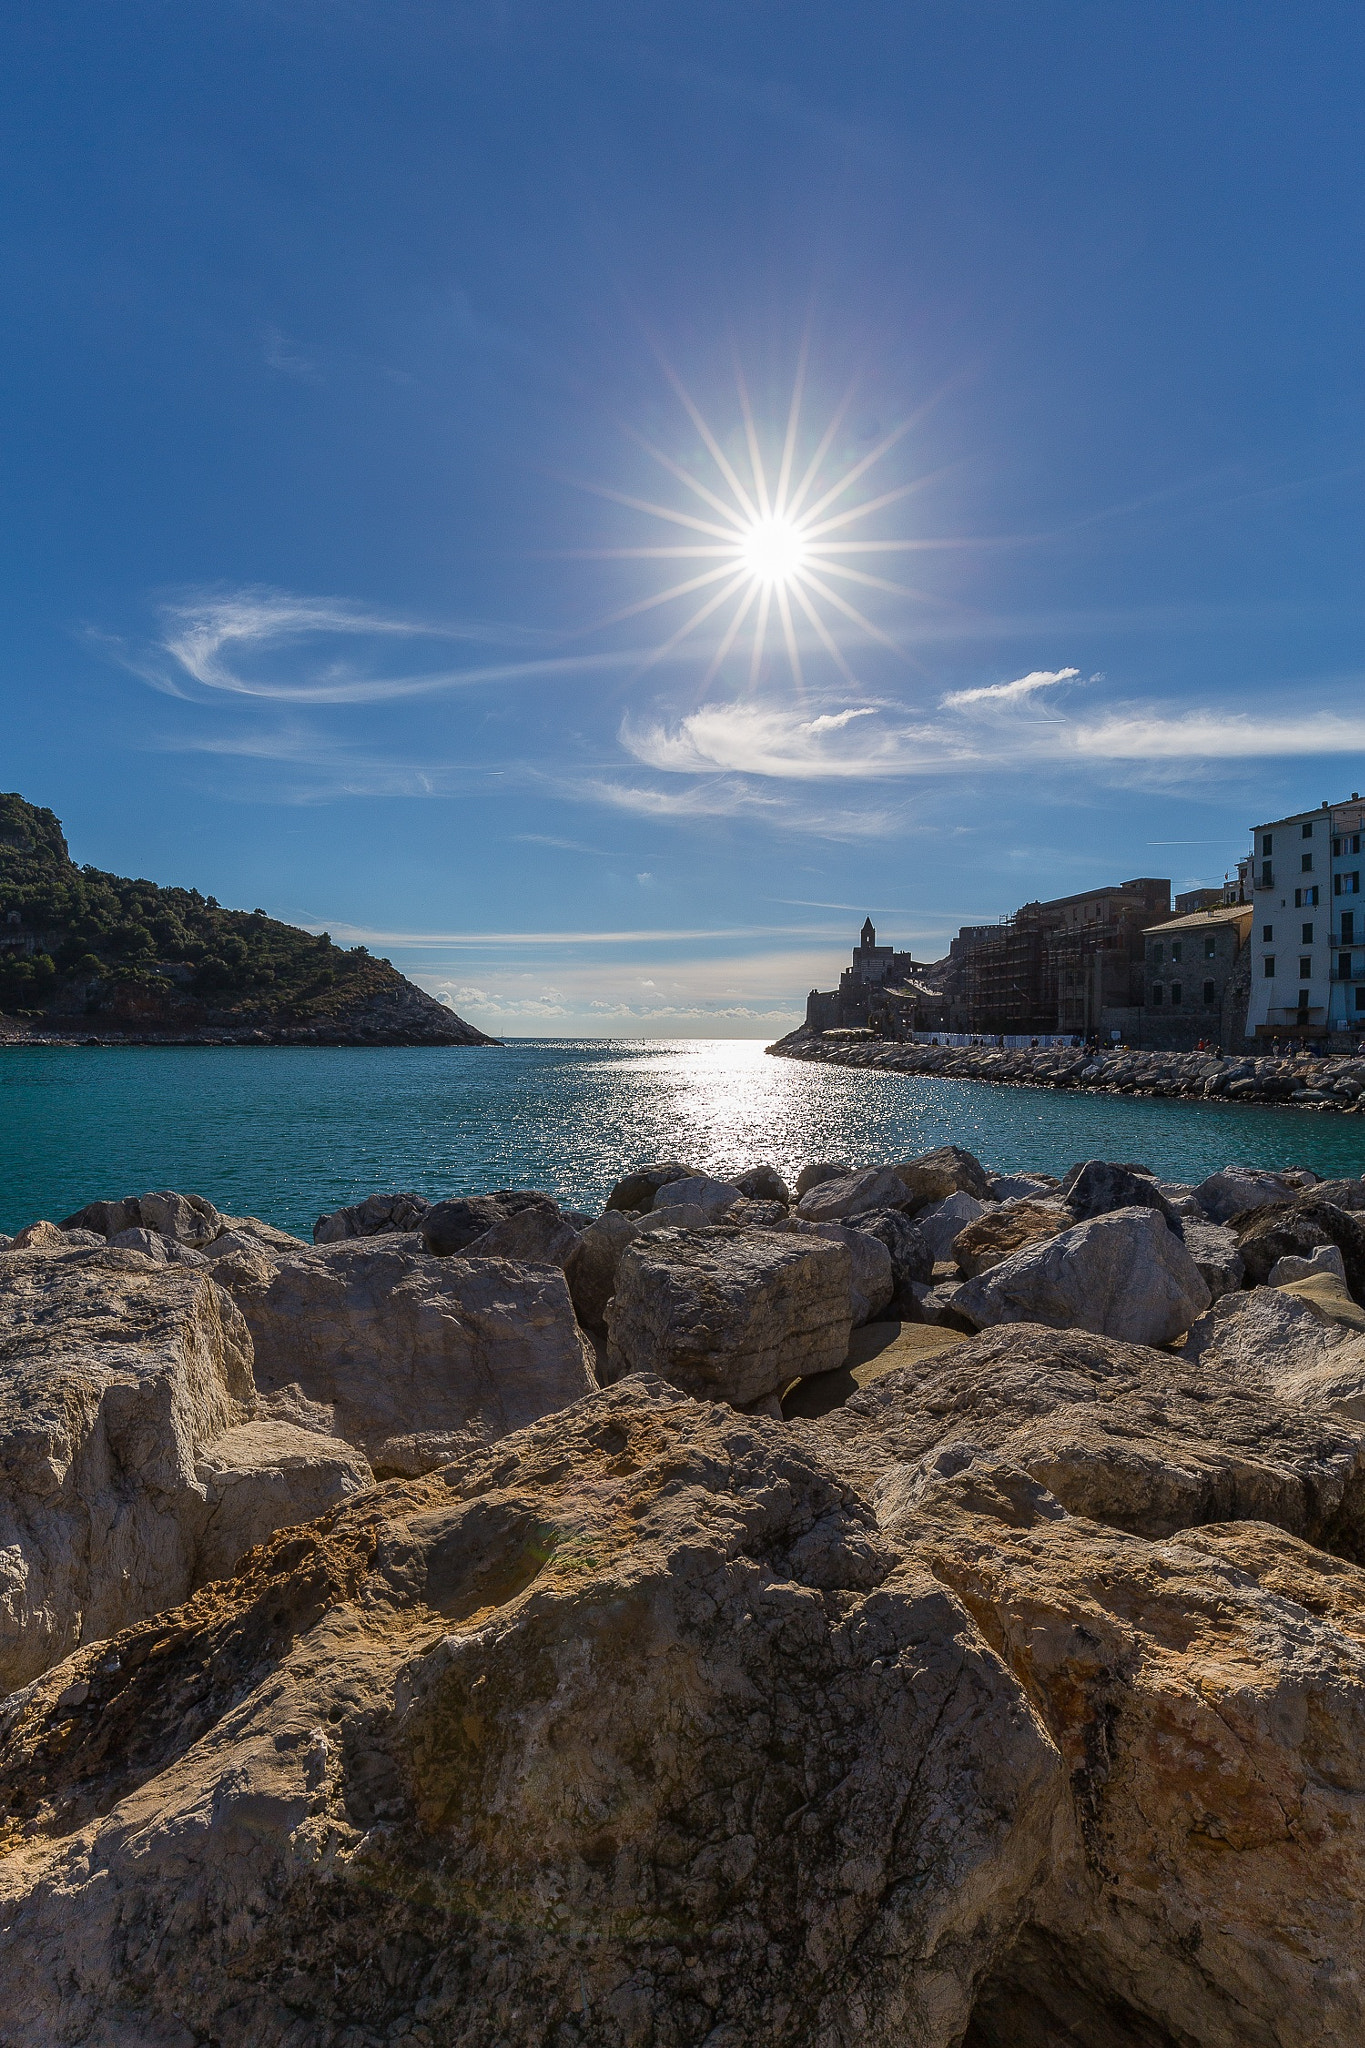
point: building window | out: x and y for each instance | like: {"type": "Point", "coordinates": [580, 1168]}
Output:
{"type": "Point", "coordinates": [1308, 935]}
{"type": "Point", "coordinates": [1210, 948]}
{"type": "Point", "coordinates": [1348, 927]}
{"type": "Point", "coordinates": [1267, 934]}
{"type": "Point", "coordinates": [1306, 863]}
{"type": "Point", "coordinates": [1267, 843]}
{"type": "Point", "coordinates": [1270, 966]}
{"type": "Point", "coordinates": [1304, 899]}
{"type": "Point", "coordinates": [1210, 993]}
{"type": "Point", "coordinates": [1303, 998]}
{"type": "Point", "coordinates": [1177, 950]}
{"type": "Point", "coordinates": [1158, 995]}
{"type": "Point", "coordinates": [1308, 831]}
{"type": "Point", "coordinates": [1360, 998]}
{"type": "Point", "coordinates": [1158, 955]}
{"type": "Point", "coordinates": [1305, 970]}
{"type": "Point", "coordinates": [1346, 885]}
{"type": "Point", "coordinates": [1267, 875]}
{"type": "Point", "coordinates": [1344, 967]}
{"type": "Point", "coordinates": [1177, 993]}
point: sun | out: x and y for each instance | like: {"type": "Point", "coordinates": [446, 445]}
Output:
{"type": "Point", "coordinates": [770, 539]}
{"type": "Point", "coordinates": [773, 550]}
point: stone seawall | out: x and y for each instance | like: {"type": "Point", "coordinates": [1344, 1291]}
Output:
{"type": "Point", "coordinates": [1305, 1080]}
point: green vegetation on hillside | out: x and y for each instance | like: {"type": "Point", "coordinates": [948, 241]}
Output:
{"type": "Point", "coordinates": [74, 940]}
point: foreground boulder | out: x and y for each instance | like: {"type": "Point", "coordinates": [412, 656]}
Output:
{"type": "Point", "coordinates": [1239, 1188]}
{"type": "Point", "coordinates": [115, 1376]}
{"type": "Point", "coordinates": [727, 1313]}
{"type": "Point", "coordinates": [411, 1359]}
{"type": "Point", "coordinates": [189, 1219]}
{"type": "Point", "coordinates": [997, 1233]}
{"type": "Point", "coordinates": [1122, 1275]}
{"type": "Point", "coordinates": [1300, 1229]}
{"type": "Point", "coordinates": [949, 1170]}
{"type": "Point", "coordinates": [1101, 1186]}
{"type": "Point", "coordinates": [635, 1192]}
{"type": "Point", "coordinates": [1142, 1440]}
{"type": "Point", "coordinates": [650, 1673]}
{"type": "Point", "coordinates": [851, 1194]}
{"type": "Point", "coordinates": [872, 1277]}
{"type": "Point", "coordinates": [1208, 1696]}
{"type": "Point", "coordinates": [448, 1227]}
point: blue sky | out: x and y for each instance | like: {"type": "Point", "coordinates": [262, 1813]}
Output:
{"type": "Point", "coordinates": [336, 342]}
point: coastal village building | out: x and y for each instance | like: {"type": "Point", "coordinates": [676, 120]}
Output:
{"type": "Point", "coordinates": [882, 988]}
{"type": "Point", "coordinates": [1072, 965]}
{"type": "Point", "coordinates": [1308, 935]}
{"type": "Point", "coordinates": [1196, 977]}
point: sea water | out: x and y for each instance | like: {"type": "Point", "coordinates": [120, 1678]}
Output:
{"type": "Point", "coordinates": [287, 1133]}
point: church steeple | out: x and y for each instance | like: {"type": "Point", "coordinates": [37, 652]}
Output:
{"type": "Point", "coordinates": [869, 932]}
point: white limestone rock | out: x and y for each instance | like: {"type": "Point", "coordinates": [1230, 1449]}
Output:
{"type": "Point", "coordinates": [418, 1358]}
{"type": "Point", "coordinates": [851, 1194]}
{"type": "Point", "coordinates": [1123, 1275]}
{"type": "Point", "coordinates": [727, 1313]}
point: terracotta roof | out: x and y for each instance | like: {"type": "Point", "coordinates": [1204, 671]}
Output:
{"type": "Point", "coordinates": [1194, 920]}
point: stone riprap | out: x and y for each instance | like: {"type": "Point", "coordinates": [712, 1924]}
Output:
{"type": "Point", "coordinates": [380, 1675]}
{"type": "Point", "coordinates": [1309, 1081]}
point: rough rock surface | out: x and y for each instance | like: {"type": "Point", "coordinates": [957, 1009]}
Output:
{"type": "Point", "coordinates": [636, 1191]}
{"type": "Point", "coordinates": [997, 1233]}
{"type": "Point", "coordinates": [1208, 1697]}
{"type": "Point", "coordinates": [948, 1170]}
{"type": "Point", "coordinates": [942, 1222]}
{"type": "Point", "coordinates": [1240, 1188]}
{"type": "Point", "coordinates": [851, 1194]}
{"type": "Point", "coordinates": [263, 1476]}
{"type": "Point", "coordinates": [1328, 1294]}
{"type": "Point", "coordinates": [699, 1190]}
{"type": "Point", "coordinates": [1213, 1247]}
{"type": "Point", "coordinates": [648, 1676]}
{"type": "Point", "coordinates": [1262, 1331]}
{"type": "Point", "coordinates": [911, 1258]}
{"type": "Point", "coordinates": [114, 1376]}
{"type": "Point", "coordinates": [763, 1184]}
{"type": "Point", "coordinates": [163, 1251]}
{"type": "Point", "coordinates": [190, 1219]}
{"type": "Point", "coordinates": [1298, 1230]}
{"type": "Point", "coordinates": [729, 1313]}
{"type": "Point", "coordinates": [872, 1278]}
{"type": "Point", "coordinates": [449, 1226]}
{"type": "Point", "coordinates": [1101, 1186]}
{"type": "Point", "coordinates": [416, 1359]}
{"type": "Point", "coordinates": [373, 1217]}
{"type": "Point", "coordinates": [538, 1235]}
{"type": "Point", "coordinates": [1123, 1275]}
{"type": "Point", "coordinates": [1142, 1440]}
{"type": "Point", "coordinates": [1325, 1259]}
{"type": "Point", "coordinates": [591, 1267]}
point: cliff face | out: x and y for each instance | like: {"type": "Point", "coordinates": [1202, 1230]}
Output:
{"type": "Point", "coordinates": [84, 951]}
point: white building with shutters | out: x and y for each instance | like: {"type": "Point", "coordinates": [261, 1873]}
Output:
{"type": "Point", "coordinates": [1308, 931]}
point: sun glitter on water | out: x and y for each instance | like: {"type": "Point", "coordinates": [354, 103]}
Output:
{"type": "Point", "coordinates": [776, 535]}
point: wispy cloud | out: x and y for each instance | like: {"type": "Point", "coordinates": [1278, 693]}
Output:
{"type": "Point", "coordinates": [275, 646]}
{"type": "Point", "coordinates": [1010, 693]}
{"type": "Point", "coordinates": [1212, 735]}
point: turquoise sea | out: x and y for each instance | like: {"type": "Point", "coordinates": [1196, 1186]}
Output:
{"type": "Point", "coordinates": [287, 1133]}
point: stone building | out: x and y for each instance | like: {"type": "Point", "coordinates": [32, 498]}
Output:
{"type": "Point", "coordinates": [877, 974]}
{"type": "Point", "coordinates": [1195, 979]}
{"type": "Point", "coordinates": [1071, 965]}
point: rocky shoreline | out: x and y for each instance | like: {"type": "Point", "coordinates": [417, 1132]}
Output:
{"type": "Point", "coordinates": [921, 1605]}
{"type": "Point", "coordinates": [1305, 1080]}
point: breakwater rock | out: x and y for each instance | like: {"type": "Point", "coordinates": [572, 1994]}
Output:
{"type": "Point", "coordinates": [1307, 1080]}
{"type": "Point", "coordinates": [920, 1607]}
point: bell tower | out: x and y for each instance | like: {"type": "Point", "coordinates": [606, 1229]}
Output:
{"type": "Point", "coordinates": [869, 933]}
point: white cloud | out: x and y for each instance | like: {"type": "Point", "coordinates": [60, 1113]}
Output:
{"type": "Point", "coordinates": [1214, 735]}
{"type": "Point", "coordinates": [287, 649]}
{"type": "Point", "coordinates": [1010, 693]}
{"type": "Point", "coordinates": [772, 740]}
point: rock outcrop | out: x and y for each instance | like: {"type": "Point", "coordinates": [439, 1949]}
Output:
{"type": "Point", "coordinates": [729, 1313]}
{"type": "Point", "coordinates": [1121, 1275]}
{"type": "Point", "coordinates": [411, 1359]}
{"type": "Point", "coordinates": [115, 1376]}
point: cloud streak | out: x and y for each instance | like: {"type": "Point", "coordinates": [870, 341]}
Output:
{"type": "Point", "coordinates": [1010, 693]}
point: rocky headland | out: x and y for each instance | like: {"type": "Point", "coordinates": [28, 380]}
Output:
{"type": "Point", "coordinates": [93, 958]}
{"type": "Point", "coordinates": [920, 1607]}
{"type": "Point", "coordinates": [1304, 1079]}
